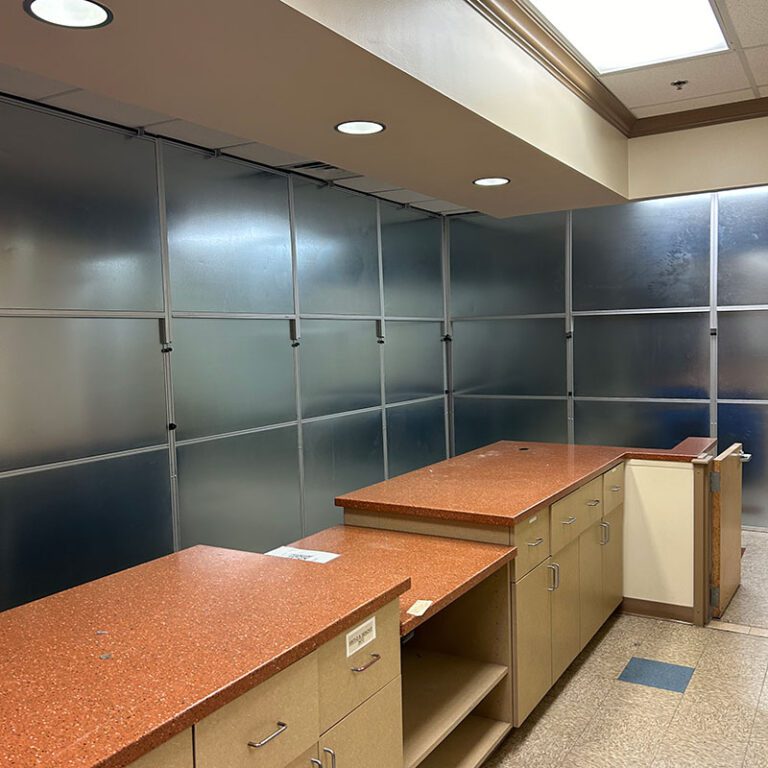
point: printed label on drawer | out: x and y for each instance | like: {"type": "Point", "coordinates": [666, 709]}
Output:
{"type": "Point", "coordinates": [532, 520]}
{"type": "Point", "coordinates": [308, 555]}
{"type": "Point", "coordinates": [361, 636]}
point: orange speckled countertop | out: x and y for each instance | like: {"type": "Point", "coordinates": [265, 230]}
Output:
{"type": "Point", "coordinates": [440, 569]}
{"type": "Point", "coordinates": [98, 675]}
{"type": "Point", "coordinates": [503, 483]}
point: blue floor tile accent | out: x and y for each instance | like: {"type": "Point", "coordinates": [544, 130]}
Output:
{"type": "Point", "coordinates": [657, 674]}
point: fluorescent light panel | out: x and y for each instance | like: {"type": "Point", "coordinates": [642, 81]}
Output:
{"type": "Point", "coordinates": [622, 34]}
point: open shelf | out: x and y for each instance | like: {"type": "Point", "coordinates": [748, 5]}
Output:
{"type": "Point", "coordinates": [439, 691]}
{"type": "Point", "coordinates": [469, 744]}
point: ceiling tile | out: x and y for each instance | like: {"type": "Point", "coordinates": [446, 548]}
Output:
{"type": "Point", "coordinates": [758, 62]}
{"type": "Point", "coordinates": [440, 206]}
{"type": "Point", "coordinates": [103, 108]}
{"type": "Point", "coordinates": [17, 82]}
{"type": "Point", "coordinates": [750, 20]}
{"type": "Point", "coordinates": [266, 155]}
{"type": "Point", "coordinates": [196, 134]}
{"type": "Point", "coordinates": [706, 75]}
{"type": "Point", "coordinates": [367, 184]}
{"type": "Point", "coordinates": [404, 196]}
{"type": "Point", "coordinates": [704, 101]}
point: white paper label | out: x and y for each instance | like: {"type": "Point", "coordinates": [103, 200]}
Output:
{"type": "Point", "coordinates": [308, 555]}
{"type": "Point", "coordinates": [420, 607]}
{"type": "Point", "coordinates": [361, 636]}
{"type": "Point", "coordinates": [533, 519]}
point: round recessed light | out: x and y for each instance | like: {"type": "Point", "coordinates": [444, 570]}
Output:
{"type": "Point", "coordinates": [491, 181]}
{"type": "Point", "coordinates": [80, 14]}
{"type": "Point", "coordinates": [360, 127]}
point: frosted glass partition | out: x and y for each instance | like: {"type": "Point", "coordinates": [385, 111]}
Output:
{"type": "Point", "coordinates": [79, 218]}
{"type": "Point", "coordinates": [743, 355]}
{"type": "Point", "coordinates": [653, 253]}
{"type": "Point", "coordinates": [337, 250]}
{"type": "Point", "coordinates": [642, 356]}
{"type": "Point", "coordinates": [415, 435]}
{"type": "Point", "coordinates": [509, 357]}
{"type": "Point", "coordinates": [75, 387]}
{"type": "Point", "coordinates": [748, 424]}
{"type": "Point", "coordinates": [411, 245]}
{"type": "Point", "coordinates": [232, 374]}
{"type": "Point", "coordinates": [481, 421]}
{"type": "Point", "coordinates": [229, 238]}
{"type": "Point", "coordinates": [507, 266]}
{"type": "Point", "coordinates": [340, 366]}
{"type": "Point", "coordinates": [413, 360]}
{"type": "Point", "coordinates": [66, 526]}
{"type": "Point", "coordinates": [340, 455]}
{"type": "Point", "coordinates": [743, 247]}
{"type": "Point", "coordinates": [642, 425]}
{"type": "Point", "coordinates": [241, 492]}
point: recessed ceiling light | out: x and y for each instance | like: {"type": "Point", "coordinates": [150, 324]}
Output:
{"type": "Point", "coordinates": [622, 34]}
{"type": "Point", "coordinates": [82, 14]}
{"type": "Point", "coordinates": [360, 127]}
{"type": "Point", "coordinates": [491, 181]}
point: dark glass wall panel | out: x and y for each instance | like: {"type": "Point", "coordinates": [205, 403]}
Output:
{"type": "Point", "coordinates": [743, 247]}
{"type": "Point", "coordinates": [415, 435]}
{"type": "Point", "coordinates": [507, 266]}
{"type": "Point", "coordinates": [337, 250]}
{"type": "Point", "coordinates": [340, 366]}
{"type": "Point", "coordinates": [480, 421]}
{"type": "Point", "coordinates": [411, 245]}
{"type": "Point", "coordinates": [413, 360]}
{"type": "Point", "coordinates": [642, 356]}
{"type": "Point", "coordinates": [340, 455]}
{"type": "Point", "coordinates": [241, 492]}
{"type": "Point", "coordinates": [748, 424]}
{"type": "Point", "coordinates": [229, 236]}
{"type": "Point", "coordinates": [642, 255]}
{"type": "Point", "coordinates": [62, 527]}
{"type": "Point", "coordinates": [76, 387]}
{"type": "Point", "coordinates": [640, 425]}
{"type": "Point", "coordinates": [509, 357]}
{"type": "Point", "coordinates": [743, 355]}
{"type": "Point", "coordinates": [231, 374]}
{"type": "Point", "coordinates": [78, 216]}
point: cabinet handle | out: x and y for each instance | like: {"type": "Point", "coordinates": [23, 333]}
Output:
{"type": "Point", "coordinates": [570, 521]}
{"type": "Point", "coordinates": [281, 727]}
{"type": "Point", "coordinates": [615, 488]}
{"type": "Point", "coordinates": [315, 761]}
{"type": "Point", "coordinates": [744, 457]}
{"type": "Point", "coordinates": [555, 568]}
{"type": "Point", "coordinates": [330, 752]}
{"type": "Point", "coordinates": [536, 543]}
{"type": "Point", "coordinates": [605, 528]}
{"type": "Point", "coordinates": [593, 502]}
{"type": "Point", "coordinates": [374, 658]}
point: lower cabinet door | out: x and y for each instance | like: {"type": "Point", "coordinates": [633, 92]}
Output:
{"type": "Point", "coordinates": [370, 736]}
{"type": "Point", "coordinates": [176, 753]}
{"type": "Point", "coordinates": [566, 630]}
{"type": "Point", "coordinates": [306, 760]}
{"type": "Point", "coordinates": [591, 599]}
{"type": "Point", "coordinates": [613, 561]}
{"type": "Point", "coordinates": [532, 639]}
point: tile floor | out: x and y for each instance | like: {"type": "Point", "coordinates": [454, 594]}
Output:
{"type": "Point", "coordinates": [591, 719]}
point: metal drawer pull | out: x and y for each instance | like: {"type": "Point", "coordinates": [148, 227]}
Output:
{"type": "Point", "coordinates": [330, 752]}
{"type": "Point", "coordinates": [593, 502]}
{"type": "Point", "coordinates": [374, 658]}
{"type": "Point", "coordinates": [605, 528]}
{"type": "Point", "coordinates": [615, 488]}
{"type": "Point", "coordinates": [315, 761]}
{"type": "Point", "coordinates": [281, 727]}
{"type": "Point", "coordinates": [555, 568]}
{"type": "Point", "coordinates": [745, 457]}
{"type": "Point", "coordinates": [570, 521]}
{"type": "Point", "coordinates": [536, 543]}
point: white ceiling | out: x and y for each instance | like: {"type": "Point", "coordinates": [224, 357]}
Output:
{"type": "Point", "coordinates": [739, 74]}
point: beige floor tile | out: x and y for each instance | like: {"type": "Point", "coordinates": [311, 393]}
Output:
{"type": "Point", "coordinates": [760, 723]}
{"type": "Point", "coordinates": [676, 752]}
{"type": "Point", "coordinates": [757, 755]}
{"type": "Point", "coordinates": [606, 755]}
{"type": "Point", "coordinates": [729, 626]}
{"type": "Point", "coordinates": [758, 631]}
{"type": "Point", "coordinates": [675, 643]}
{"type": "Point", "coordinates": [713, 717]}
{"type": "Point", "coordinates": [745, 687]}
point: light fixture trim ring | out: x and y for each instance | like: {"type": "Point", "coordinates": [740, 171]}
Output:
{"type": "Point", "coordinates": [27, 5]}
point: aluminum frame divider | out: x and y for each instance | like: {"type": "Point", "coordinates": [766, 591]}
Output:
{"type": "Point", "coordinates": [569, 367]}
{"type": "Point", "coordinates": [714, 215]}
{"type": "Point", "coordinates": [382, 339]}
{"type": "Point", "coordinates": [445, 255]}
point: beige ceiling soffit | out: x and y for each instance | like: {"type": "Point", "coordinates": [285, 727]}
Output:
{"type": "Point", "coordinates": [697, 118]}
{"type": "Point", "coordinates": [518, 23]}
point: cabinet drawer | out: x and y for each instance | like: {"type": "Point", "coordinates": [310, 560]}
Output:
{"type": "Point", "coordinates": [348, 680]}
{"type": "Point", "coordinates": [175, 753]}
{"type": "Point", "coordinates": [613, 488]}
{"type": "Point", "coordinates": [531, 537]}
{"type": "Point", "coordinates": [572, 515]}
{"type": "Point", "coordinates": [285, 705]}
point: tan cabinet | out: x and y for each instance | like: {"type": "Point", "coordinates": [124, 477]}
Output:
{"type": "Point", "coordinates": [370, 736]}
{"type": "Point", "coordinates": [591, 577]}
{"type": "Point", "coordinates": [566, 640]}
{"type": "Point", "coordinates": [175, 753]}
{"type": "Point", "coordinates": [613, 489]}
{"type": "Point", "coordinates": [575, 513]}
{"type": "Point", "coordinates": [613, 560]}
{"type": "Point", "coordinates": [531, 537]}
{"type": "Point", "coordinates": [309, 758]}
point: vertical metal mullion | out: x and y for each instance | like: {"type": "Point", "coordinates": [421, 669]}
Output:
{"type": "Point", "coordinates": [166, 339]}
{"type": "Point", "coordinates": [571, 426]}
{"type": "Point", "coordinates": [450, 436]}
{"type": "Point", "coordinates": [296, 356]}
{"type": "Point", "coordinates": [713, 319]}
{"type": "Point", "coordinates": [383, 331]}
